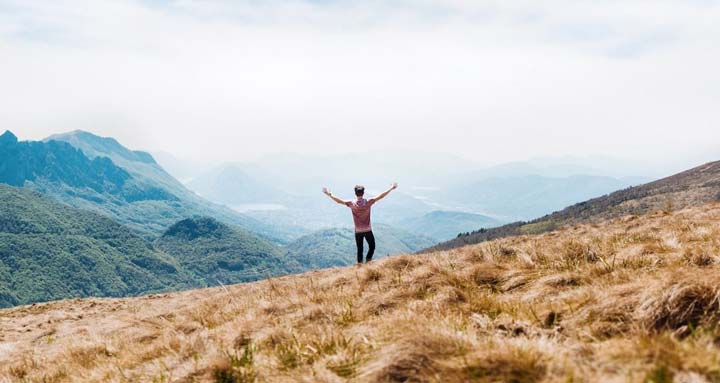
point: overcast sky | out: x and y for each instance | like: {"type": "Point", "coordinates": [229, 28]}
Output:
{"type": "Point", "coordinates": [488, 80]}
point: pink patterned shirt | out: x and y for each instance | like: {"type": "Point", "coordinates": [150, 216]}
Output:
{"type": "Point", "coordinates": [361, 214]}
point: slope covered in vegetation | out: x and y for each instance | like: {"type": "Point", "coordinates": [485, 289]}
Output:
{"type": "Point", "coordinates": [636, 299]}
{"type": "Point", "coordinates": [36, 162]}
{"type": "Point", "coordinates": [693, 187]}
{"type": "Point", "coordinates": [216, 253]}
{"type": "Point", "coordinates": [336, 247]}
{"type": "Point", "coordinates": [53, 251]}
{"type": "Point", "coordinates": [443, 225]}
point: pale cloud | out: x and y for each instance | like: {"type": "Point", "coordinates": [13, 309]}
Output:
{"type": "Point", "coordinates": [489, 80]}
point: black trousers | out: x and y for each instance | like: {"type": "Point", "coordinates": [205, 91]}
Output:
{"type": "Point", "coordinates": [359, 237]}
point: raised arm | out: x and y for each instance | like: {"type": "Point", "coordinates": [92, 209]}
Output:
{"type": "Point", "coordinates": [386, 192]}
{"type": "Point", "coordinates": [327, 192]}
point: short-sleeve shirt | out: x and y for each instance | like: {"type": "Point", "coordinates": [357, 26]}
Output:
{"type": "Point", "coordinates": [361, 214]}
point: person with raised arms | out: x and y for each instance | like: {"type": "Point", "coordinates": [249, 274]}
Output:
{"type": "Point", "coordinates": [360, 208]}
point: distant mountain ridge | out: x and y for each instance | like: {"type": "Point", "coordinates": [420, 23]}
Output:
{"type": "Point", "coordinates": [283, 189]}
{"type": "Point", "coordinates": [138, 163]}
{"type": "Point", "coordinates": [230, 185]}
{"type": "Point", "coordinates": [96, 146]}
{"type": "Point", "coordinates": [98, 174]}
{"type": "Point", "coordinates": [57, 161]}
{"type": "Point", "coordinates": [693, 187]}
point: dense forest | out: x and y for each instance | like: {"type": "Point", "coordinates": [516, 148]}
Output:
{"type": "Point", "coordinates": [51, 251]}
{"type": "Point", "coordinates": [216, 253]}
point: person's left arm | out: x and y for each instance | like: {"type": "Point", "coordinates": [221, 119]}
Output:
{"type": "Point", "coordinates": [385, 193]}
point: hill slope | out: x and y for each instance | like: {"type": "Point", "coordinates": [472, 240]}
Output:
{"type": "Point", "coordinates": [633, 300]}
{"type": "Point", "coordinates": [443, 225]}
{"type": "Point", "coordinates": [218, 254]}
{"type": "Point", "coordinates": [690, 188]}
{"type": "Point", "coordinates": [52, 251]}
{"type": "Point", "coordinates": [336, 247]}
{"type": "Point", "coordinates": [150, 216]}
{"type": "Point", "coordinates": [531, 195]}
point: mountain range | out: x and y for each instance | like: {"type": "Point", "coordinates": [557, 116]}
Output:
{"type": "Point", "coordinates": [231, 186]}
{"type": "Point", "coordinates": [50, 250]}
{"type": "Point", "coordinates": [156, 215]}
{"type": "Point", "coordinates": [284, 188]}
{"type": "Point", "coordinates": [127, 211]}
{"type": "Point", "coordinates": [113, 223]}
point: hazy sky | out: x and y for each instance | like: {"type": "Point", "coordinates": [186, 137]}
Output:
{"type": "Point", "coordinates": [488, 80]}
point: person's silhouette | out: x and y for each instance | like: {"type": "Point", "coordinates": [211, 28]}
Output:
{"type": "Point", "coordinates": [361, 216]}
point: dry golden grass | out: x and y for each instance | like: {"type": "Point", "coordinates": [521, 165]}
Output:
{"type": "Point", "coordinates": [636, 299]}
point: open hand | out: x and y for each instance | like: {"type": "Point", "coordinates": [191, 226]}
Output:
{"type": "Point", "coordinates": [326, 191]}
{"type": "Point", "coordinates": [394, 185]}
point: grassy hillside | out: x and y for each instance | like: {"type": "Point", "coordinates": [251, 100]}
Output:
{"type": "Point", "coordinates": [216, 254]}
{"type": "Point", "coordinates": [632, 300]}
{"type": "Point", "coordinates": [52, 251]}
{"type": "Point", "coordinates": [690, 188]}
{"type": "Point", "coordinates": [336, 247]}
{"type": "Point", "coordinates": [443, 225]}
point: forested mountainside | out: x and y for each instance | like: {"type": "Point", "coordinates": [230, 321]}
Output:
{"type": "Point", "coordinates": [52, 251]}
{"type": "Point", "coordinates": [216, 253]}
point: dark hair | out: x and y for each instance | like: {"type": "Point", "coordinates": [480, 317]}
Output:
{"type": "Point", "coordinates": [359, 190]}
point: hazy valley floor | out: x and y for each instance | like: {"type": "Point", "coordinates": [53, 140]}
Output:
{"type": "Point", "coordinates": [636, 299]}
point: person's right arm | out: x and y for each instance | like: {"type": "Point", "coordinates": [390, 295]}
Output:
{"type": "Point", "coordinates": [385, 193]}
{"type": "Point", "coordinates": [332, 197]}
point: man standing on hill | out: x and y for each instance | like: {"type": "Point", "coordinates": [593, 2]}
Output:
{"type": "Point", "coordinates": [361, 216]}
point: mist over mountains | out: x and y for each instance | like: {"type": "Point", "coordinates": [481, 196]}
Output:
{"type": "Point", "coordinates": [283, 189]}
{"type": "Point", "coordinates": [82, 208]}
{"type": "Point", "coordinates": [246, 221]}
{"type": "Point", "coordinates": [277, 197]}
